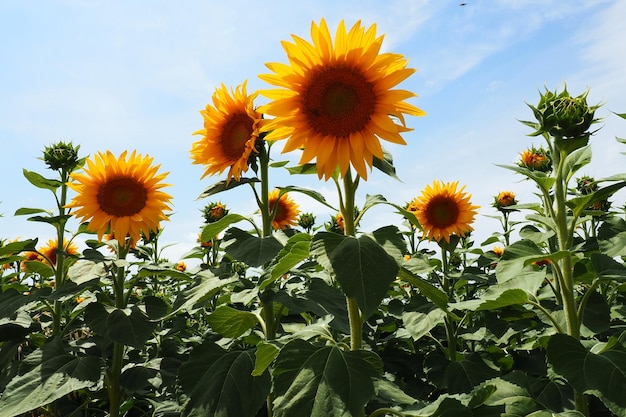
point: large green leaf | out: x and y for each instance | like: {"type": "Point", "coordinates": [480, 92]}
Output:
{"type": "Point", "coordinates": [129, 326]}
{"type": "Point", "coordinates": [296, 250]}
{"type": "Point", "coordinates": [580, 204]}
{"type": "Point", "coordinates": [221, 384]}
{"type": "Point", "coordinates": [316, 195]}
{"type": "Point", "coordinates": [603, 374]}
{"type": "Point", "coordinates": [612, 237]}
{"type": "Point", "coordinates": [362, 266]}
{"type": "Point", "coordinates": [434, 294]}
{"type": "Point", "coordinates": [54, 375]}
{"type": "Point", "coordinates": [606, 267]}
{"type": "Point", "coordinates": [17, 247]}
{"type": "Point", "coordinates": [230, 322]}
{"type": "Point", "coordinates": [465, 375]}
{"type": "Point", "coordinates": [213, 229]}
{"type": "Point", "coordinates": [576, 160]}
{"type": "Point", "coordinates": [204, 286]}
{"type": "Point", "coordinates": [512, 292]}
{"type": "Point", "coordinates": [322, 381]}
{"type": "Point", "coordinates": [252, 250]}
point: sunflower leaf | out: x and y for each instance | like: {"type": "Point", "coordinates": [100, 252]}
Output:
{"type": "Point", "coordinates": [386, 165]}
{"type": "Point", "coordinates": [311, 193]}
{"type": "Point", "coordinates": [218, 187]}
{"type": "Point", "coordinates": [41, 182]}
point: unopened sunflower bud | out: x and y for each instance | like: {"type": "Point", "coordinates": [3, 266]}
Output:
{"type": "Point", "coordinates": [62, 156]}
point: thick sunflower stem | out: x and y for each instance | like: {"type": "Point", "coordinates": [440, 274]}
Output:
{"type": "Point", "coordinates": [448, 321]}
{"type": "Point", "coordinates": [565, 238]}
{"type": "Point", "coordinates": [266, 218]}
{"type": "Point", "coordinates": [114, 388]}
{"type": "Point", "coordinates": [347, 211]}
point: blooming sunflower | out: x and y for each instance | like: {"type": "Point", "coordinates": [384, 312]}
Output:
{"type": "Point", "coordinates": [120, 196]}
{"type": "Point", "coordinates": [336, 99]}
{"type": "Point", "coordinates": [285, 210]}
{"type": "Point", "coordinates": [229, 134]}
{"type": "Point", "coordinates": [442, 210]}
{"type": "Point", "coordinates": [50, 250]}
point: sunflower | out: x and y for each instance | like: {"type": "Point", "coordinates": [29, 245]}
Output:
{"type": "Point", "coordinates": [504, 199]}
{"type": "Point", "coordinates": [120, 196]}
{"type": "Point", "coordinates": [285, 210]}
{"type": "Point", "coordinates": [229, 134]}
{"type": "Point", "coordinates": [442, 210]}
{"type": "Point", "coordinates": [49, 251]}
{"type": "Point", "coordinates": [336, 99]}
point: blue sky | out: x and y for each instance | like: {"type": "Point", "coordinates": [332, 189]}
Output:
{"type": "Point", "coordinates": [116, 75]}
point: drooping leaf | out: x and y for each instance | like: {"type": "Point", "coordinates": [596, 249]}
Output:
{"type": "Point", "coordinates": [363, 268]}
{"type": "Point", "coordinates": [603, 374]}
{"type": "Point", "coordinates": [434, 294]}
{"type": "Point", "coordinates": [221, 186]}
{"type": "Point", "coordinates": [26, 211]}
{"type": "Point", "coordinates": [252, 250]}
{"type": "Point", "coordinates": [54, 374]}
{"type": "Point", "coordinates": [612, 237]}
{"type": "Point", "coordinates": [129, 326]}
{"type": "Point", "coordinates": [464, 375]}
{"type": "Point", "coordinates": [386, 164]}
{"type": "Point", "coordinates": [315, 195]}
{"type": "Point", "coordinates": [322, 381]}
{"type": "Point", "coordinates": [221, 384]}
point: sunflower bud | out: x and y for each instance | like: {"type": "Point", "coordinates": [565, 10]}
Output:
{"type": "Point", "coordinates": [536, 159]}
{"type": "Point", "coordinates": [306, 221]}
{"type": "Point", "coordinates": [504, 199]}
{"type": "Point", "coordinates": [563, 116]}
{"type": "Point", "coordinates": [62, 156]}
{"type": "Point", "coordinates": [214, 212]}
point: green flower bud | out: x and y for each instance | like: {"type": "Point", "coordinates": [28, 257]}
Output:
{"type": "Point", "coordinates": [214, 212]}
{"type": "Point", "coordinates": [306, 221]}
{"type": "Point", "coordinates": [62, 156]}
{"type": "Point", "coordinates": [563, 116]}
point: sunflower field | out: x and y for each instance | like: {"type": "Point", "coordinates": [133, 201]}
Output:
{"type": "Point", "coordinates": [281, 314]}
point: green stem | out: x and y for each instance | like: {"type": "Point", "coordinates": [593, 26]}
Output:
{"type": "Point", "coordinates": [448, 320]}
{"type": "Point", "coordinates": [59, 268]}
{"type": "Point", "coordinates": [113, 375]}
{"type": "Point", "coordinates": [564, 236]}
{"type": "Point", "coordinates": [347, 211]}
{"type": "Point", "coordinates": [385, 411]}
{"type": "Point", "coordinates": [266, 217]}
{"type": "Point", "coordinates": [556, 324]}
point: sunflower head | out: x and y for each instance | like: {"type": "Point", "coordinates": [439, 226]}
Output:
{"type": "Point", "coordinates": [231, 128]}
{"type": "Point", "coordinates": [120, 195]}
{"type": "Point", "coordinates": [336, 99]}
{"type": "Point", "coordinates": [586, 185]}
{"type": "Point", "coordinates": [50, 250]}
{"type": "Point", "coordinates": [442, 211]}
{"type": "Point", "coordinates": [285, 210]}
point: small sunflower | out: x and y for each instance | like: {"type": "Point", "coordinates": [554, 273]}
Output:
{"type": "Point", "coordinates": [442, 210]}
{"type": "Point", "coordinates": [285, 210]}
{"type": "Point", "coordinates": [50, 250]}
{"type": "Point", "coordinates": [336, 99]}
{"type": "Point", "coordinates": [504, 199]}
{"type": "Point", "coordinates": [120, 196]}
{"type": "Point", "coordinates": [536, 159]}
{"type": "Point", "coordinates": [229, 134]}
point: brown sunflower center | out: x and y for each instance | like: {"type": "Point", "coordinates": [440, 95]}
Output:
{"type": "Point", "coordinates": [122, 197]}
{"type": "Point", "coordinates": [442, 212]}
{"type": "Point", "coordinates": [339, 101]}
{"type": "Point", "coordinates": [235, 133]}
